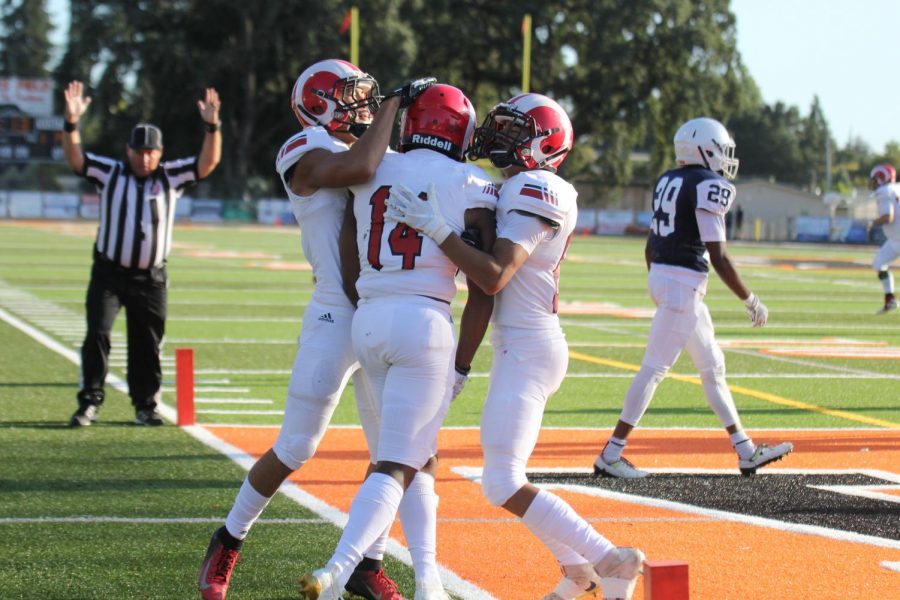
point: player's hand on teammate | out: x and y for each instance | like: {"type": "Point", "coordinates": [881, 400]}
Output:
{"type": "Point", "coordinates": [209, 107]}
{"type": "Point", "coordinates": [410, 90]}
{"type": "Point", "coordinates": [424, 214]}
{"type": "Point", "coordinates": [76, 103]}
{"type": "Point", "coordinates": [460, 377]}
{"type": "Point", "coordinates": [756, 310]}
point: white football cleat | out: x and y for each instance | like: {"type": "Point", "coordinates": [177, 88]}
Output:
{"type": "Point", "coordinates": [578, 582]}
{"type": "Point", "coordinates": [763, 456]}
{"type": "Point", "coordinates": [428, 590]}
{"type": "Point", "coordinates": [619, 571]}
{"type": "Point", "coordinates": [621, 469]}
{"type": "Point", "coordinates": [321, 584]}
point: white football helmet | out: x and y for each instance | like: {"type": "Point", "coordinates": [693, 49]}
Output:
{"type": "Point", "coordinates": [882, 174]}
{"type": "Point", "coordinates": [706, 142]}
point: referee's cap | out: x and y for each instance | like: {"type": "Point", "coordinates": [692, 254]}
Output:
{"type": "Point", "coordinates": [145, 136]}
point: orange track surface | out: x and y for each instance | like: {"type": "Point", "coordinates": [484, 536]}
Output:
{"type": "Point", "coordinates": [727, 559]}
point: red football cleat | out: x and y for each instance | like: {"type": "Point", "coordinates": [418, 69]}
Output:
{"type": "Point", "coordinates": [373, 585]}
{"type": "Point", "coordinates": [215, 572]}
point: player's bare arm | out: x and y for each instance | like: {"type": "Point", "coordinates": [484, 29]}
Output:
{"type": "Point", "coordinates": [479, 306]}
{"type": "Point", "coordinates": [321, 168]}
{"type": "Point", "coordinates": [726, 270]}
{"type": "Point", "coordinates": [211, 151]}
{"type": "Point", "coordinates": [648, 253]}
{"type": "Point", "coordinates": [75, 105]}
{"type": "Point", "coordinates": [349, 254]}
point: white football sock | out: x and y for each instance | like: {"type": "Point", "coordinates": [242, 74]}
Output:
{"type": "Point", "coordinates": [888, 283]}
{"type": "Point", "coordinates": [378, 547]}
{"type": "Point", "coordinates": [742, 444]}
{"type": "Point", "coordinates": [613, 451]}
{"type": "Point", "coordinates": [418, 515]}
{"type": "Point", "coordinates": [373, 509]}
{"type": "Point", "coordinates": [248, 505]}
{"type": "Point", "coordinates": [551, 518]}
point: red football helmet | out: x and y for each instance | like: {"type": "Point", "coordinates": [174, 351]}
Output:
{"type": "Point", "coordinates": [881, 174]}
{"type": "Point", "coordinates": [441, 118]}
{"type": "Point", "coordinates": [530, 130]}
{"type": "Point", "coordinates": [336, 95]}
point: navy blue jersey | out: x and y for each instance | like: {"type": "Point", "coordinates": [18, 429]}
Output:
{"type": "Point", "coordinates": [674, 236]}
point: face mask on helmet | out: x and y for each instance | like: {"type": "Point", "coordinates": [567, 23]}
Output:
{"type": "Point", "coordinates": [707, 143]}
{"type": "Point", "coordinates": [336, 95]}
{"type": "Point", "coordinates": [539, 137]}
{"type": "Point", "coordinates": [441, 119]}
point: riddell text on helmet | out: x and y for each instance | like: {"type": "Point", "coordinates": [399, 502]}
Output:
{"type": "Point", "coordinates": [430, 140]}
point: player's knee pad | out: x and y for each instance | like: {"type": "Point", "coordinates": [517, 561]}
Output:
{"type": "Point", "coordinates": [718, 396]}
{"type": "Point", "coordinates": [502, 477]}
{"type": "Point", "coordinates": [641, 391]}
{"type": "Point", "coordinates": [883, 274]}
{"type": "Point", "coordinates": [295, 449]}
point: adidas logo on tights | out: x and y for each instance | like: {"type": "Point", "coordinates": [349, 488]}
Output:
{"type": "Point", "coordinates": [327, 318]}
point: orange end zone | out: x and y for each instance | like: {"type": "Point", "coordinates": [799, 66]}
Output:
{"type": "Point", "coordinates": [728, 559]}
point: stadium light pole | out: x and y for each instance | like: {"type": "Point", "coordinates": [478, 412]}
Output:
{"type": "Point", "coordinates": [526, 53]}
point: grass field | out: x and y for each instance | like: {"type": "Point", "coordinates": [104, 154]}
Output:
{"type": "Point", "coordinates": [116, 511]}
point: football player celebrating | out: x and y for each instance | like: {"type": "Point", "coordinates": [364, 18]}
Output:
{"type": "Point", "coordinates": [402, 330]}
{"type": "Point", "coordinates": [887, 194]}
{"type": "Point", "coordinates": [341, 144]}
{"type": "Point", "coordinates": [686, 234]}
{"type": "Point", "coordinates": [528, 137]}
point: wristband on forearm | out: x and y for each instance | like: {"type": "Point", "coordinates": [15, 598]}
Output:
{"type": "Point", "coordinates": [212, 127]}
{"type": "Point", "coordinates": [70, 127]}
{"type": "Point", "coordinates": [462, 370]}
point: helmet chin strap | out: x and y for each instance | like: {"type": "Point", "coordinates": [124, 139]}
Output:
{"type": "Point", "coordinates": [501, 159]}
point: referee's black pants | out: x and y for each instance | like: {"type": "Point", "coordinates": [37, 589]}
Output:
{"type": "Point", "coordinates": [143, 295]}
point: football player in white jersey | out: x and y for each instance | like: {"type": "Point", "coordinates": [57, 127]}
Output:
{"type": "Point", "coordinates": [402, 329]}
{"type": "Point", "coordinates": [687, 233]}
{"type": "Point", "coordinates": [528, 137]}
{"type": "Point", "coordinates": [341, 144]}
{"type": "Point", "coordinates": [887, 194]}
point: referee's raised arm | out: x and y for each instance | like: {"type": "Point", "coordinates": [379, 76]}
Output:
{"type": "Point", "coordinates": [211, 151]}
{"type": "Point", "coordinates": [75, 106]}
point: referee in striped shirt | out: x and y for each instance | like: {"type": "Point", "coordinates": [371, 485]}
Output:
{"type": "Point", "coordinates": [137, 211]}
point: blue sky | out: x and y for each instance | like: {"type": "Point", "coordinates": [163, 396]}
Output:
{"type": "Point", "coordinates": [845, 51]}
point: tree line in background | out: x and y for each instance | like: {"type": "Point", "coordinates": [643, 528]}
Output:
{"type": "Point", "coordinates": [629, 73]}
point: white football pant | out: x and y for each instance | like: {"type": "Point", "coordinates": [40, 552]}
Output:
{"type": "Point", "coordinates": [322, 366]}
{"type": "Point", "coordinates": [526, 371]}
{"type": "Point", "coordinates": [682, 321]}
{"type": "Point", "coordinates": [405, 345]}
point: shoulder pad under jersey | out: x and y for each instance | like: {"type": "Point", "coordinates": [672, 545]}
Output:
{"type": "Point", "coordinates": [539, 192]}
{"type": "Point", "coordinates": [299, 144]}
{"type": "Point", "coordinates": [484, 193]}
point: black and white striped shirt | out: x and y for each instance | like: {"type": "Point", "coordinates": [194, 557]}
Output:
{"type": "Point", "coordinates": [136, 215]}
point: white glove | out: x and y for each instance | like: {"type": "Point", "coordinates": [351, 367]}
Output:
{"type": "Point", "coordinates": [756, 310]}
{"type": "Point", "coordinates": [404, 206]}
{"type": "Point", "coordinates": [459, 382]}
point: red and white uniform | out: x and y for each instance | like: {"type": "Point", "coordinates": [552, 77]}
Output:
{"type": "Point", "coordinates": [888, 198]}
{"type": "Point", "coordinates": [325, 359]}
{"type": "Point", "coordinates": [403, 330]}
{"type": "Point", "coordinates": [537, 211]}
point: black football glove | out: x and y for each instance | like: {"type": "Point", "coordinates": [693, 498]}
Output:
{"type": "Point", "coordinates": [472, 236]}
{"type": "Point", "coordinates": [411, 89]}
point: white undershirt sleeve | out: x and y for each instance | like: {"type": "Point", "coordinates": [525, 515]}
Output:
{"type": "Point", "coordinates": [711, 226]}
{"type": "Point", "coordinates": [525, 230]}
